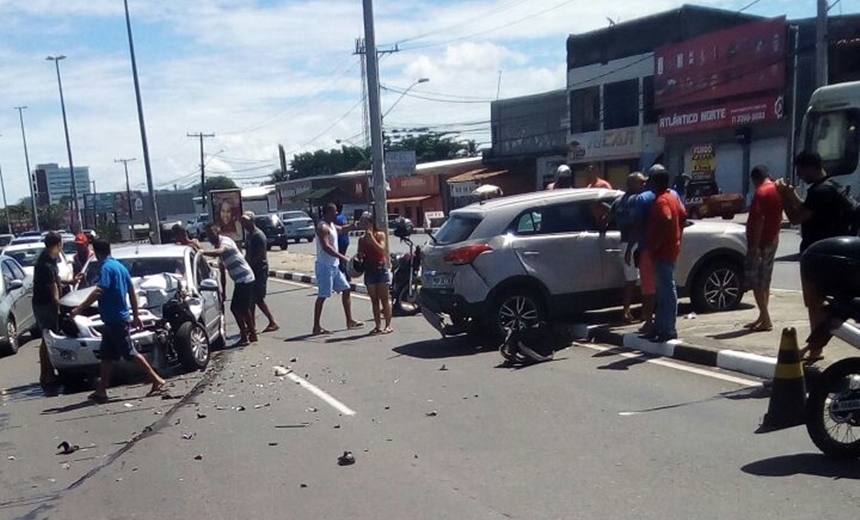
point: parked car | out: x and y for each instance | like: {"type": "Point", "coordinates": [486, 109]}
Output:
{"type": "Point", "coordinates": [28, 239]}
{"type": "Point", "coordinates": [180, 307]}
{"type": "Point", "coordinates": [299, 226]}
{"type": "Point", "coordinates": [274, 229]}
{"type": "Point", "coordinates": [16, 304]}
{"type": "Point", "coordinates": [27, 254]}
{"type": "Point", "coordinates": [704, 199]}
{"type": "Point", "coordinates": [517, 261]}
{"type": "Point", "coordinates": [197, 226]}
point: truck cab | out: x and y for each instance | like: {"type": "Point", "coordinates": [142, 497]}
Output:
{"type": "Point", "coordinates": [831, 127]}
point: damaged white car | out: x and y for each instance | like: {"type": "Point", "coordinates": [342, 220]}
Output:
{"type": "Point", "coordinates": [180, 305]}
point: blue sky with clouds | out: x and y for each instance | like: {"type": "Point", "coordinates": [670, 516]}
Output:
{"type": "Point", "coordinates": [262, 72]}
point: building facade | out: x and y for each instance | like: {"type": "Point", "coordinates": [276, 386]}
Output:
{"type": "Point", "coordinates": [613, 122]}
{"type": "Point", "coordinates": [53, 183]}
{"type": "Point", "coordinates": [529, 138]}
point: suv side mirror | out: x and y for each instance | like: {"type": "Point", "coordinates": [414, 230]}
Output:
{"type": "Point", "coordinates": [14, 285]}
{"type": "Point", "coordinates": [209, 284]}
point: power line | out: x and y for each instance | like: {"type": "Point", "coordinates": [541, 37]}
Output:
{"type": "Point", "coordinates": [437, 100]}
{"type": "Point", "coordinates": [744, 8]}
{"type": "Point", "coordinates": [483, 15]}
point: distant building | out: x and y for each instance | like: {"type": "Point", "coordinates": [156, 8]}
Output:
{"type": "Point", "coordinates": [52, 183]}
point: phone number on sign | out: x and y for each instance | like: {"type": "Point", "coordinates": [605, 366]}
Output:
{"type": "Point", "coordinates": [753, 117]}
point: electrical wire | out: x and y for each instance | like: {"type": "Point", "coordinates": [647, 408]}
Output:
{"type": "Point", "coordinates": [744, 8]}
{"type": "Point", "coordinates": [482, 16]}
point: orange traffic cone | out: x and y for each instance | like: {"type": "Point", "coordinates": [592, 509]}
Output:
{"type": "Point", "coordinates": [787, 406]}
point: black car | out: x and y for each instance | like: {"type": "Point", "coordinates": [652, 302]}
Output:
{"type": "Point", "coordinates": [272, 226]}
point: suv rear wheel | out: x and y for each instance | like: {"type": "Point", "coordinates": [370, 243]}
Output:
{"type": "Point", "coordinates": [517, 309]}
{"type": "Point", "coordinates": [718, 287]}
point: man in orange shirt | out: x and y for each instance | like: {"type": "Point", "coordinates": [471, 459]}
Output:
{"type": "Point", "coordinates": [592, 175]}
{"type": "Point", "coordinates": [763, 225]}
{"type": "Point", "coordinates": [666, 227]}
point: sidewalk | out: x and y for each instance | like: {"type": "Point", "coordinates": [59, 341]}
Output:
{"type": "Point", "coordinates": [716, 340]}
{"type": "Point", "coordinates": [719, 339]}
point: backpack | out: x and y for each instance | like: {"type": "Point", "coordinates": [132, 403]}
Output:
{"type": "Point", "coordinates": [850, 211]}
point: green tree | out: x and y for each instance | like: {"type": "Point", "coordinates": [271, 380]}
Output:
{"type": "Point", "coordinates": [278, 176]}
{"type": "Point", "coordinates": [329, 162]}
{"type": "Point", "coordinates": [428, 146]}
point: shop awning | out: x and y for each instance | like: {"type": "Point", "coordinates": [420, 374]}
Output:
{"type": "Point", "coordinates": [408, 199]}
{"type": "Point", "coordinates": [476, 175]}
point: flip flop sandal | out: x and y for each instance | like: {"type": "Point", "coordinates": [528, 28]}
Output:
{"type": "Point", "coordinates": [387, 330]}
{"type": "Point", "coordinates": [271, 328]}
{"type": "Point", "coordinates": [375, 332]}
{"type": "Point", "coordinates": [355, 326]}
{"type": "Point", "coordinates": [161, 390]}
{"type": "Point", "coordinates": [321, 332]}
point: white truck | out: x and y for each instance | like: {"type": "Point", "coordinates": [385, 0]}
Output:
{"type": "Point", "coordinates": [831, 127]}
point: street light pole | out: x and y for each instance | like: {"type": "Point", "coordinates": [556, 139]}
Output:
{"type": "Point", "coordinates": [154, 228]}
{"type": "Point", "coordinates": [29, 173]}
{"type": "Point", "coordinates": [127, 187]}
{"type": "Point", "coordinates": [821, 44]}
{"type": "Point", "coordinates": [403, 94]}
{"type": "Point", "coordinates": [76, 208]}
{"type": "Point", "coordinates": [375, 112]}
{"type": "Point", "coordinates": [5, 204]}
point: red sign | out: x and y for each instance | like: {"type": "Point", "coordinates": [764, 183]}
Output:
{"type": "Point", "coordinates": [414, 186]}
{"type": "Point", "coordinates": [732, 62]}
{"type": "Point", "coordinates": [722, 115]}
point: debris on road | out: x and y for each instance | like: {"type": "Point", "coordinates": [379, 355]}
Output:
{"type": "Point", "coordinates": [281, 371]}
{"type": "Point", "coordinates": [239, 408]}
{"type": "Point", "coordinates": [65, 465]}
{"type": "Point", "coordinates": [443, 368]}
{"type": "Point", "coordinates": [347, 459]}
{"type": "Point", "coordinates": [10, 457]}
{"type": "Point", "coordinates": [273, 444]}
{"type": "Point", "coordinates": [201, 415]}
{"type": "Point", "coordinates": [258, 406]}
{"type": "Point", "coordinates": [198, 457]}
{"type": "Point", "coordinates": [294, 360]}
{"type": "Point", "coordinates": [128, 405]}
{"type": "Point", "coordinates": [691, 316]}
{"type": "Point", "coordinates": [337, 427]}
{"type": "Point", "coordinates": [188, 436]}
{"type": "Point", "coordinates": [67, 449]}
{"type": "Point", "coordinates": [311, 409]}
{"type": "Point", "coordinates": [299, 425]}
{"type": "Point", "coordinates": [303, 486]}
{"type": "Point", "coordinates": [434, 413]}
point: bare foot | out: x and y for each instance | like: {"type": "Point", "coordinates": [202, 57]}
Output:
{"type": "Point", "coordinates": [753, 325]}
{"type": "Point", "coordinates": [272, 327]}
{"type": "Point", "coordinates": [354, 325]}
{"type": "Point", "coordinates": [158, 388]}
{"type": "Point", "coordinates": [320, 332]}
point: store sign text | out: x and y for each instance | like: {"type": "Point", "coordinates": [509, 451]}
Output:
{"type": "Point", "coordinates": [728, 114]}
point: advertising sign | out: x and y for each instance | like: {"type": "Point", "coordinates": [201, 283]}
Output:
{"type": "Point", "coordinates": [704, 162]}
{"type": "Point", "coordinates": [722, 115]}
{"type": "Point", "coordinates": [462, 189]}
{"type": "Point", "coordinates": [226, 209]}
{"type": "Point", "coordinates": [609, 144]}
{"type": "Point", "coordinates": [742, 60]}
{"type": "Point", "coordinates": [400, 163]}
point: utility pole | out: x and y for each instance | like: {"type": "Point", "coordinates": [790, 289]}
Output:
{"type": "Point", "coordinates": [374, 107]}
{"type": "Point", "coordinates": [154, 221]}
{"type": "Point", "coordinates": [821, 45]}
{"type": "Point", "coordinates": [29, 173]}
{"type": "Point", "coordinates": [76, 208]}
{"type": "Point", "coordinates": [5, 205]}
{"type": "Point", "coordinates": [127, 187]}
{"type": "Point", "coordinates": [201, 136]}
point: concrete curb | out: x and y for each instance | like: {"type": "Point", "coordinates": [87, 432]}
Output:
{"type": "Point", "coordinates": [736, 361]}
{"type": "Point", "coordinates": [359, 288]}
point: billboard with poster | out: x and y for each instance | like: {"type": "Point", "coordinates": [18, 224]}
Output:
{"type": "Point", "coordinates": [742, 60]}
{"type": "Point", "coordinates": [226, 207]}
{"type": "Point", "coordinates": [704, 162]}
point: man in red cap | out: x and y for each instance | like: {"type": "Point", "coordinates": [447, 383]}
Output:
{"type": "Point", "coordinates": [83, 253]}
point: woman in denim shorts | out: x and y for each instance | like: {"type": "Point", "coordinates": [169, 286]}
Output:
{"type": "Point", "coordinates": [377, 275]}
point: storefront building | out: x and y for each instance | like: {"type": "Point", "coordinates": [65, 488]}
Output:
{"type": "Point", "coordinates": [613, 122]}
{"type": "Point", "coordinates": [721, 99]}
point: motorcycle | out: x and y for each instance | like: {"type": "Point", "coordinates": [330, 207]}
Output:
{"type": "Point", "coordinates": [833, 404]}
{"type": "Point", "coordinates": [406, 276]}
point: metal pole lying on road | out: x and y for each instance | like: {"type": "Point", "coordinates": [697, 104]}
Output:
{"type": "Point", "coordinates": [373, 100]}
{"type": "Point", "coordinates": [154, 228]}
{"type": "Point", "coordinates": [29, 173]}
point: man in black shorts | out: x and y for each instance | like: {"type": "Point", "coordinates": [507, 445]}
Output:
{"type": "Point", "coordinates": [257, 257]}
{"type": "Point", "coordinates": [114, 286]}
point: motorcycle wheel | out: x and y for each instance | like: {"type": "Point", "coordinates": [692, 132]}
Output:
{"type": "Point", "coordinates": [835, 433]}
{"type": "Point", "coordinates": [407, 303]}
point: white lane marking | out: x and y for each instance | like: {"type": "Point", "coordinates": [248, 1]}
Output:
{"type": "Point", "coordinates": [317, 391]}
{"type": "Point", "coordinates": [309, 286]}
{"type": "Point", "coordinates": [678, 366]}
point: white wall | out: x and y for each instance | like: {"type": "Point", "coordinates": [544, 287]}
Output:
{"type": "Point", "coordinates": [622, 69]}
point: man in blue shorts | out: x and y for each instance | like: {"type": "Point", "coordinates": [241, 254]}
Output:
{"type": "Point", "coordinates": [114, 287]}
{"type": "Point", "coordinates": [330, 279]}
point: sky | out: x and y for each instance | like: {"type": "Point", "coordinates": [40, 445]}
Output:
{"type": "Point", "coordinates": [258, 73]}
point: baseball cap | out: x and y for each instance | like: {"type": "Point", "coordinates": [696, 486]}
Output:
{"type": "Point", "coordinates": [82, 240]}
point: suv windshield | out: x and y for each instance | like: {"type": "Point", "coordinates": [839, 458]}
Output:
{"type": "Point", "coordinates": [457, 229]}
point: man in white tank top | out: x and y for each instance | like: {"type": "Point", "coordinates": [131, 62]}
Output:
{"type": "Point", "coordinates": [330, 279]}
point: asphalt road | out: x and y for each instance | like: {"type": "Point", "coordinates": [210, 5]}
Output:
{"type": "Point", "coordinates": [593, 434]}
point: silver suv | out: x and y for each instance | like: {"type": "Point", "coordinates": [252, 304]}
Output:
{"type": "Point", "coordinates": [519, 260]}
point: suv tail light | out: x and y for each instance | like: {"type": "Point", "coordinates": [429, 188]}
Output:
{"type": "Point", "coordinates": [466, 255]}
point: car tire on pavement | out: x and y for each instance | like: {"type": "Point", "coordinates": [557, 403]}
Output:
{"type": "Point", "coordinates": [517, 308]}
{"type": "Point", "coordinates": [192, 346]}
{"type": "Point", "coordinates": [718, 287]}
{"type": "Point", "coordinates": [311, 239]}
{"type": "Point", "coordinates": [10, 344]}
{"type": "Point", "coordinates": [284, 244]}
